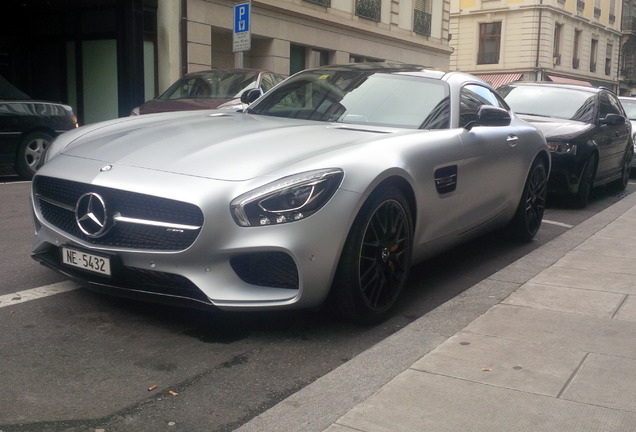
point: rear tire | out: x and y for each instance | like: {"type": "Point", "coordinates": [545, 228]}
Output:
{"type": "Point", "coordinates": [527, 219]}
{"type": "Point", "coordinates": [29, 153]}
{"type": "Point", "coordinates": [376, 258]}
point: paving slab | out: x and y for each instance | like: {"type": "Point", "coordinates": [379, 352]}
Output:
{"type": "Point", "coordinates": [596, 280]}
{"type": "Point", "coordinates": [605, 381]}
{"type": "Point", "coordinates": [559, 329]}
{"type": "Point", "coordinates": [573, 300]}
{"type": "Point", "coordinates": [503, 363]}
{"type": "Point", "coordinates": [419, 401]}
{"type": "Point", "coordinates": [587, 261]}
{"type": "Point", "coordinates": [627, 311]}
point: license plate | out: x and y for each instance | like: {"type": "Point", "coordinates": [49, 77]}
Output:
{"type": "Point", "coordinates": [94, 263]}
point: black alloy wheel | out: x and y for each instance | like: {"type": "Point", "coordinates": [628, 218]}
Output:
{"type": "Point", "coordinates": [376, 258]}
{"type": "Point", "coordinates": [529, 215]}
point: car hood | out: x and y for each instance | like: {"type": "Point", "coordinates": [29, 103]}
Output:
{"type": "Point", "coordinates": [170, 105]}
{"type": "Point", "coordinates": [556, 128]}
{"type": "Point", "coordinates": [214, 144]}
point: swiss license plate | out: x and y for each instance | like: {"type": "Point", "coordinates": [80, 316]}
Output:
{"type": "Point", "coordinates": [94, 263]}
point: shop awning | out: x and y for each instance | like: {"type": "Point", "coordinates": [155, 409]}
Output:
{"type": "Point", "coordinates": [497, 80]}
{"type": "Point", "coordinates": [563, 80]}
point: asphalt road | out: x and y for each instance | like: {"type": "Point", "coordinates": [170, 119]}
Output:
{"type": "Point", "coordinates": [79, 361]}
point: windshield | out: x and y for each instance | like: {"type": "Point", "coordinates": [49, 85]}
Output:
{"type": "Point", "coordinates": [214, 84]}
{"type": "Point", "coordinates": [359, 97]}
{"type": "Point", "coordinates": [550, 101]}
{"type": "Point", "coordinates": [630, 107]}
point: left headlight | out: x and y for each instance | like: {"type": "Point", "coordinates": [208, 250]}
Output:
{"type": "Point", "coordinates": [288, 199]}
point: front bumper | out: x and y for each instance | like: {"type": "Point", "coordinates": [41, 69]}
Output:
{"type": "Point", "coordinates": [225, 266]}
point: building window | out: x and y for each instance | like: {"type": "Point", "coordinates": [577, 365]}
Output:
{"type": "Point", "coordinates": [580, 5]}
{"type": "Point", "coordinates": [608, 59]}
{"type": "Point", "coordinates": [597, 8]}
{"type": "Point", "coordinates": [422, 17]}
{"type": "Point", "coordinates": [489, 43]}
{"type": "Point", "coordinates": [556, 49]}
{"type": "Point", "coordinates": [577, 44]}
{"type": "Point", "coordinates": [612, 12]}
{"type": "Point", "coordinates": [593, 54]}
{"type": "Point", "coordinates": [369, 9]}
{"type": "Point", "coordinates": [320, 2]}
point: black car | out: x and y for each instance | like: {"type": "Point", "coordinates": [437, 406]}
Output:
{"type": "Point", "coordinates": [587, 131]}
{"type": "Point", "coordinates": [27, 127]}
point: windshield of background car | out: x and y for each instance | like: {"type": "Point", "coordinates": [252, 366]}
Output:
{"type": "Point", "coordinates": [219, 85]}
{"type": "Point", "coordinates": [630, 108]}
{"type": "Point", "coordinates": [550, 101]}
{"type": "Point", "coordinates": [377, 98]}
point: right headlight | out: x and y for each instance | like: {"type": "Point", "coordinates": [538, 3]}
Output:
{"type": "Point", "coordinates": [561, 147]}
{"type": "Point", "coordinates": [288, 199]}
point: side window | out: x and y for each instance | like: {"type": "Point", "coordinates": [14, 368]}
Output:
{"type": "Point", "coordinates": [471, 98]}
{"type": "Point", "coordinates": [267, 82]}
{"type": "Point", "coordinates": [605, 107]}
{"type": "Point", "coordinates": [617, 107]}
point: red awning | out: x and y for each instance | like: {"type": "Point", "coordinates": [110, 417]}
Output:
{"type": "Point", "coordinates": [497, 80]}
{"type": "Point", "coordinates": [563, 80]}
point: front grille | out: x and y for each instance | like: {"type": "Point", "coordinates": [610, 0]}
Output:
{"type": "Point", "coordinates": [57, 199]}
{"type": "Point", "coordinates": [272, 269]}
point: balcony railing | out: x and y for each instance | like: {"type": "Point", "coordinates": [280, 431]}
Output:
{"type": "Point", "coordinates": [320, 2]}
{"type": "Point", "coordinates": [422, 22]}
{"type": "Point", "coordinates": [369, 9]}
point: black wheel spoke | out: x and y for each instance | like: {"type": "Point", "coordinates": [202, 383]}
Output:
{"type": "Point", "coordinates": [383, 254]}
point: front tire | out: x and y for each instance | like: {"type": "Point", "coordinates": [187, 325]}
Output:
{"type": "Point", "coordinates": [29, 153]}
{"type": "Point", "coordinates": [375, 261]}
{"type": "Point", "coordinates": [529, 215]}
{"type": "Point", "coordinates": [582, 197]}
{"type": "Point", "coordinates": [626, 171]}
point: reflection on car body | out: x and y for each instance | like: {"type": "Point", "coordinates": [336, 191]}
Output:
{"type": "Point", "coordinates": [587, 131]}
{"type": "Point", "coordinates": [217, 88]}
{"type": "Point", "coordinates": [326, 189]}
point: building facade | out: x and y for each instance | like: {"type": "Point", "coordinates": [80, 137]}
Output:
{"type": "Point", "coordinates": [570, 41]}
{"type": "Point", "coordinates": [104, 57]}
{"type": "Point", "coordinates": [628, 50]}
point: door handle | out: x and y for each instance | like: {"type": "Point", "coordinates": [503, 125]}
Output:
{"type": "Point", "coordinates": [512, 140]}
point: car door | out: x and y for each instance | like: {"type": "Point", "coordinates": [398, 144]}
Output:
{"type": "Point", "coordinates": [611, 139]}
{"type": "Point", "coordinates": [494, 162]}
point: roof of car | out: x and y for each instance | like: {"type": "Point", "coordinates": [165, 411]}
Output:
{"type": "Point", "coordinates": [558, 85]}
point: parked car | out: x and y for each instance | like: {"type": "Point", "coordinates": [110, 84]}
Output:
{"type": "Point", "coordinates": [218, 88]}
{"type": "Point", "coordinates": [27, 127]}
{"type": "Point", "coordinates": [326, 189]}
{"type": "Point", "coordinates": [587, 130]}
{"type": "Point", "coordinates": [629, 104]}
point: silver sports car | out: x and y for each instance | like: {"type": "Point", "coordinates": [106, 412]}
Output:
{"type": "Point", "coordinates": [324, 191]}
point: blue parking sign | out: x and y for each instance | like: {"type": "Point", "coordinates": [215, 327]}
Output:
{"type": "Point", "coordinates": [241, 18]}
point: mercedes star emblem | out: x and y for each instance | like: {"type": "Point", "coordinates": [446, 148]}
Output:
{"type": "Point", "coordinates": [91, 215]}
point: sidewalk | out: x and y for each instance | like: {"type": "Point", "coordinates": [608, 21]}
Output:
{"type": "Point", "coordinates": [546, 344]}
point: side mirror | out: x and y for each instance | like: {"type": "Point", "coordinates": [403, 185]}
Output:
{"type": "Point", "coordinates": [489, 115]}
{"type": "Point", "coordinates": [613, 120]}
{"type": "Point", "coordinates": [249, 96]}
